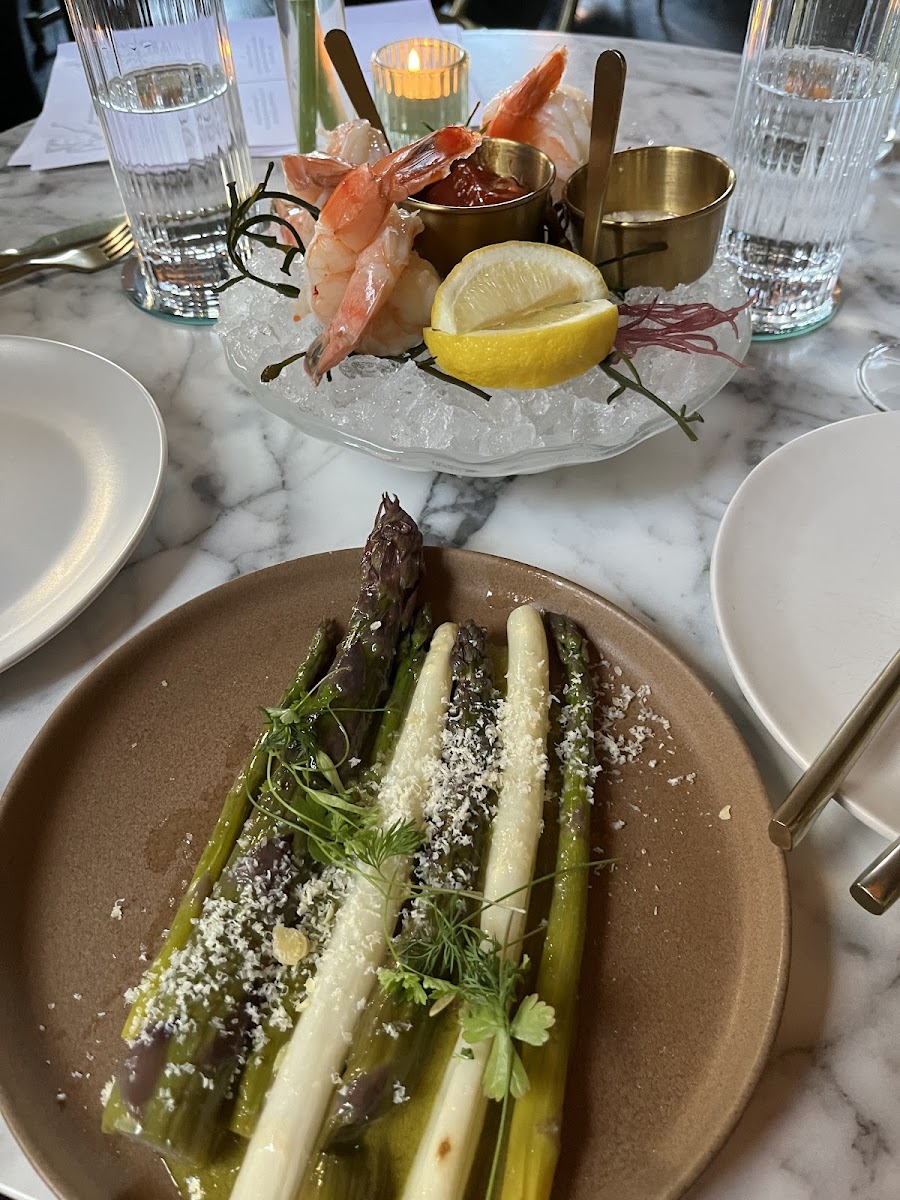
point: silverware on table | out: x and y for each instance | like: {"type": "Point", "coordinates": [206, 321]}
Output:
{"type": "Point", "coordinates": [826, 774]}
{"type": "Point", "coordinates": [609, 85]}
{"type": "Point", "coordinates": [63, 239]}
{"type": "Point", "coordinates": [109, 249]}
{"type": "Point", "coordinates": [878, 886]}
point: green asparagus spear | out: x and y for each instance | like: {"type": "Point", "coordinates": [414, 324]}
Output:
{"type": "Point", "coordinates": [347, 702]}
{"type": "Point", "coordinates": [257, 1073]}
{"type": "Point", "coordinates": [534, 1133]}
{"type": "Point", "coordinates": [221, 844]}
{"type": "Point", "coordinates": [170, 1089]}
{"type": "Point", "coordinates": [396, 1035]}
{"type": "Point", "coordinates": [197, 1009]}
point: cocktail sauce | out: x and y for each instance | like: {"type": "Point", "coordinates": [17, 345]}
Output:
{"type": "Point", "coordinates": [472, 184]}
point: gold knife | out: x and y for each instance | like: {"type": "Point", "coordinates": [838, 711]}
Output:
{"type": "Point", "coordinates": [830, 768]}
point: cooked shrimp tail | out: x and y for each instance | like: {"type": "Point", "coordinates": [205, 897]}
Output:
{"type": "Point", "coordinates": [544, 112]}
{"type": "Point", "coordinates": [520, 102]}
{"type": "Point", "coordinates": [378, 268]}
{"type": "Point", "coordinates": [414, 167]}
{"type": "Point", "coordinates": [309, 175]}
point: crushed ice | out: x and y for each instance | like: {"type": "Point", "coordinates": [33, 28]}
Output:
{"type": "Point", "coordinates": [399, 411]}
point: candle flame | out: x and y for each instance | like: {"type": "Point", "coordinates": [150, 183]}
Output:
{"type": "Point", "coordinates": [413, 63]}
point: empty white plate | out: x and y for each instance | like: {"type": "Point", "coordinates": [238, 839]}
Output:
{"type": "Point", "coordinates": [82, 459]}
{"type": "Point", "coordinates": [806, 592]}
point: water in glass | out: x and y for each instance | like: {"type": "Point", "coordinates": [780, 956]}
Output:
{"type": "Point", "coordinates": [162, 79]}
{"type": "Point", "coordinates": [802, 151]}
{"type": "Point", "coordinates": [817, 79]}
{"type": "Point", "coordinates": [171, 134]}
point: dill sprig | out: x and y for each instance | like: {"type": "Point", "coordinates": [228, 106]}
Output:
{"type": "Point", "coordinates": [302, 789]}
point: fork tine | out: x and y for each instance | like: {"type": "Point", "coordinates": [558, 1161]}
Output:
{"type": "Point", "coordinates": [115, 237]}
{"type": "Point", "coordinates": [121, 251]}
{"type": "Point", "coordinates": [114, 234]}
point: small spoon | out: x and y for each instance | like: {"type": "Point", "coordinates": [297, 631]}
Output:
{"type": "Point", "coordinates": [341, 52]}
{"type": "Point", "coordinates": [609, 84]}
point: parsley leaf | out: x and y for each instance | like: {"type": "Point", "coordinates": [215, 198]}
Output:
{"type": "Point", "coordinates": [532, 1021]}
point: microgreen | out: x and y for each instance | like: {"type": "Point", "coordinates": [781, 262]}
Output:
{"type": "Point", "coordinates": [302, 789]}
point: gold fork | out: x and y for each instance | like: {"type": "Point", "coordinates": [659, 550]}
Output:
{"type": "Point", "coordinates": [93, 257]}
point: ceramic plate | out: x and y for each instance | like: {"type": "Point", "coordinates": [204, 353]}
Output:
{"type": "Point", "coordinates": [806, 590]}
{"type": "Point", "coordinates": [686, 959]}
{"type": "Point", "coordinates": [82, 459]}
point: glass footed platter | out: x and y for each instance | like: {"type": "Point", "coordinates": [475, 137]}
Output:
{"type": "Point", "coordinates": [402, 415]}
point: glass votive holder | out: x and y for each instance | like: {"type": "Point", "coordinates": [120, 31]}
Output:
{"type": "Point", "coordinates": [421, 84]}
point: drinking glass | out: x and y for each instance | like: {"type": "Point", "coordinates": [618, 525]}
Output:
{"type": "Point", "coordinates": [162, 79]}
{"type": "Point", "coordinates": [817, 77]}
{"type": "Point", "coordinates": [890, 129]}
{"type": "Point", "coordinates": [318, 100]}
{"type": "Point", "coordinates": [878, 375]}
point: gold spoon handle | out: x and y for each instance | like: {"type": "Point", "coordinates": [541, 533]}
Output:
{"type": "Point", "coordinates": [341, 52]}
{"type": "Point", "coordinates": [878, 886]}
{"type": "Point", "coordinates": [609, 84]}
{"type": "Point", "coordinates": [825, 775]}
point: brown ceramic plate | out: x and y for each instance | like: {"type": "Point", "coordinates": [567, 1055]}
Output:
{"type": "Point", "coordinates": [686, 961]}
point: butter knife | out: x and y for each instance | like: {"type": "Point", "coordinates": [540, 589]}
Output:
{"type": "Point", "coordinates": [64, 239]}
{"type": "Point", "coordinates": [878, 886]}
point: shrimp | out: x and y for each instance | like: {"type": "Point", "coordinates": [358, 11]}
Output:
{"type": "Point", "coordinates": [398, 325]}
{"type": "Point", "coordinates": [313, 177]}
{"type": "Point", "coordinates": [544, 112]}
{"type": "Point", "coordinates": [362, 246]}
{"type": "Point", "coordinates": [380, 266]}
{"type": "Point", "coordinates": [357, 142]}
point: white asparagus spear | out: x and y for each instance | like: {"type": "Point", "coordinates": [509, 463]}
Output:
{"type": "Point", "coordinates": [278, 1152]}
{"type": "Point", "coordinates": [443, 1160]}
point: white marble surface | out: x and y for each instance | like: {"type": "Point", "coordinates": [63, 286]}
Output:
{"type": "Point", "coordinates": [245, 490]}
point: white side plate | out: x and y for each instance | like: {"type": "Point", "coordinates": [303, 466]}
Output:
{"type": "Point", "coordinates": [806, 593]}
{"type": "Point", "coordinates": [82, 460]}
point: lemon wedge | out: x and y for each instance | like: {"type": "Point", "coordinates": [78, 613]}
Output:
{"type": "Point", "coordinates": [540, 350]}
{"type": "Point", "coordinates": [507, 281]}
{"type": "Point", "coordinates": [521, 315]}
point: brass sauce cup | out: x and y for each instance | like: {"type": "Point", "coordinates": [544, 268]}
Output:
{"type": "Point", "coordinates": [450, 232]}
{"type": "Point", "coordinates": [691, 183]}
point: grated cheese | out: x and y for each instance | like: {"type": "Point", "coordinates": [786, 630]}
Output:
{"type": "Point", "coordinates": [460, 796]}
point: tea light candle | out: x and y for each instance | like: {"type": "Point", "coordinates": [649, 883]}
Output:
{"type": "Point", "coordinates": [420, 84]}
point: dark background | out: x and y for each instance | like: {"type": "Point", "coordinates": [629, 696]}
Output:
{"type": "Point", "coordinates": [31, 29]}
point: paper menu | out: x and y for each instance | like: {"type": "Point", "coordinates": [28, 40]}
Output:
{"type": "Point", "coordinates": [67, 133]}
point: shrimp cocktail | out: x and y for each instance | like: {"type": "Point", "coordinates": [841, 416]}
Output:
{"type": "Point", "coordinates": [452, 253]}
{"type": "Point", "coordinates": [356, 210]}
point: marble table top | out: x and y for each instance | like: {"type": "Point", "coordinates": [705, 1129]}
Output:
{"type": "Point", "coordinates": [245, 490]}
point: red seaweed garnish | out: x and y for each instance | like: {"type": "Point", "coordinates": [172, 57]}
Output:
{"type": "Point", "coordinates": [682, 327]}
